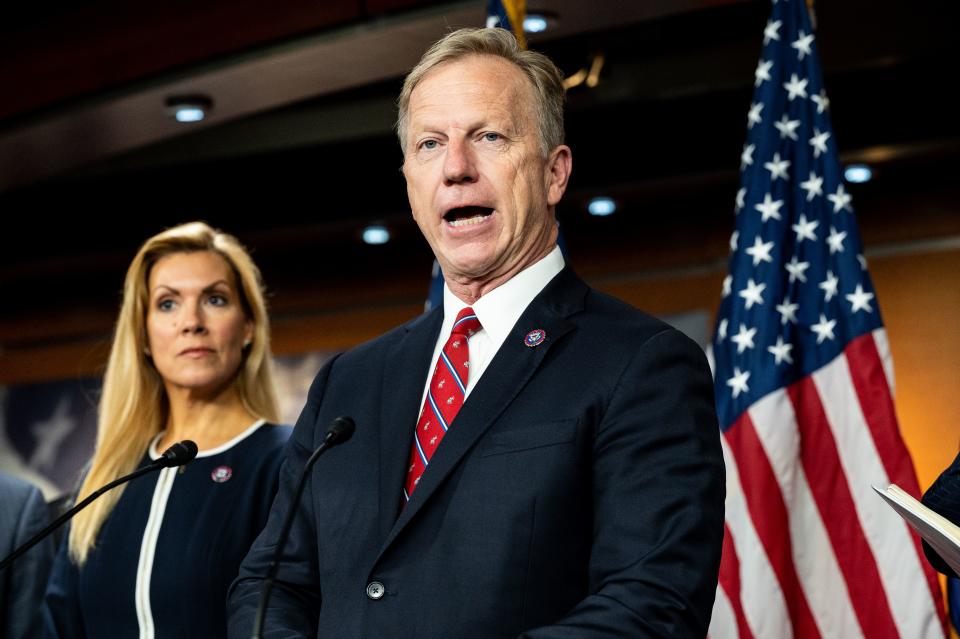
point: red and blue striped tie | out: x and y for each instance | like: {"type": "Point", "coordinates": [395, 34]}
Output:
{"type": "Point", "coordinates": [448, 387]}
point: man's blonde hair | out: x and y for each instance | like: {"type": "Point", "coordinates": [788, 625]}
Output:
{"type": "Point", "coordinates": [544, 77]}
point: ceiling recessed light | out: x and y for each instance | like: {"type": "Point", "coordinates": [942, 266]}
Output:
{"type": "Point", "coordinates": [857, 173]}
{"type": "Point", "coordinates": [602, 206]}
{"type": "Point", "coordinates": [535, 23]}
{"type": "Point", "coordinates": [189, 108]}
{"type": "Point", "coordinates": [376, 234]}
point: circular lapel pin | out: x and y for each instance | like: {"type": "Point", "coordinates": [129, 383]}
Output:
{"type": "Point", "coordinates": [221, 474]}
{"type": "Point", "coordinates": [535, 337]}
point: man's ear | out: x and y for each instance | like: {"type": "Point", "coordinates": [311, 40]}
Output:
{"type": "Point", "coordinates": [559, 165]}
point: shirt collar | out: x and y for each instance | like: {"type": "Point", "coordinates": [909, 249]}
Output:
{"type": "Point", "coordinates": [499, 310]}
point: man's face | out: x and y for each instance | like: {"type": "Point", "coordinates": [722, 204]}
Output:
{"type": "Point", "coordinates": [479, 187]}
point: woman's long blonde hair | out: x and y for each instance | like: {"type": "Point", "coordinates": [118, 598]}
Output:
{"type": "Point", "coordinates": [133, 404]}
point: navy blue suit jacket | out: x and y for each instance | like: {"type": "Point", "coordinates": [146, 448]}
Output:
{"type": "Point", "coordinates": [23, 513]}
{"type": "Point", "coordinates": [943, 497]}
{"type": "Point", "coordinates": [579, 492]}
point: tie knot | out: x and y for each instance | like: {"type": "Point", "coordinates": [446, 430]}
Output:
{"type": "Point", "coordinates": [467, 323]}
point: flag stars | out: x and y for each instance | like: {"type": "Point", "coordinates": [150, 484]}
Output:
{"type": "Point", "coordinates": [734, 238]}
{"type": "Point", "coordinates": [821, 100]}
{"type": "Point", "coordinates": [819, 142]}
{"type": "Point", "coordinates": [824, 329]}
{"type": "Point", "coordinates": [753, 294]}
{"type": "Point", "coordinates": [835, 240]}
{"type": "Point", "coordinates": [829, 286]}
{"type": "Point", "coordinates": [769, 208]}
{"type": "Point", "coordinates": [738, 383]}
{"type": "Point", "coordinates": [754, 117]}
{"type": "Point", "coordinates": [772, 31]}
{"type": "Point", "coordinates": [777, 167]}
{"type": "Point", "coordinates": [760, 252]}
{"type": "Point", "coordinates": [813, 186]}
{"type": "Point", "coordinates": [805, 229]}
{"type": "Point", "coordinates": [762, 74]}
{"type": "Point", "coordinates": [796, 268]}
{"type": "Point", "coordinates": [744, 338]}
{"type": "Point", "coordinates": [841, 199]}
{"type": "Point", "coordinates": [722, 330]}
{"type": "Point", "coordinates": [727, 285]}
{"type": "Point", "coordinates": [802, 44]}
{"type": "Point", "coordinates": [788, 311]}
{"type": "Point", "coordinates": [796, 87]}
{"type": "Point", "coordinates": [863, 261]}
{"type": "Point", "coordinates": [787, 127]}
{"type": "Point", "coordinates": [860, 300]}
{"type": "Point", "coordinates": [781, 351]}
{"type": "Point", "coordinates": [746, 158]}
{"type": "Point", "coordinates": [741, 195]}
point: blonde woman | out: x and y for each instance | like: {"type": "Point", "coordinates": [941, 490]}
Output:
{"type": "Point", "coordinates": [190, 360]}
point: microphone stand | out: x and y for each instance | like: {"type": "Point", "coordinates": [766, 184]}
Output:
{"type": "Point", "coordinates": [177, 458]}
{"type": "Point", "coordinates": [340, 431]}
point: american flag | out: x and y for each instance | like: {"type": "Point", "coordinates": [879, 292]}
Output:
{"type": "Point", "coordinates": [804, 386]}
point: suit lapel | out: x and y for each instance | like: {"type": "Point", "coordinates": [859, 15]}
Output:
{"type": "Point", "coordinates": [405, 372]}
{"type": "Point", "coordinates": [507, 374]}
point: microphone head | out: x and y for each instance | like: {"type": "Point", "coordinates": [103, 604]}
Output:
{"type": "Point", "coordinates": [179, 454]}
{"type": "Point", "coordinates": [341, 429]}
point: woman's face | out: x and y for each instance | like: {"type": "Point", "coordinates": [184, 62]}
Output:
{"type": "Point", "coordinates": [196, 327]}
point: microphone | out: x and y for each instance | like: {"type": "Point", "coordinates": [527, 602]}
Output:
{"type": "Point", "coordinates": [177, 455]}
{"type": "Point", "coordinates": [340, 430]}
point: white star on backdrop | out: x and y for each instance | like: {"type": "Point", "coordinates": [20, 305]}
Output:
{"type": "Point", "coordinates": [813, 186]}
{"type": "Point", "coordinates": [835, 240]}
{"type": "Point", "coordinates": [823, 103]}
{"type": "Point", "coordinates": [796, 87]}
{"type": "Point", "coordinates": [754, 117]}
{"type": "Point", "coordinates": [796, 269]}
{"type": "Point", "coordinates": [762, 73]}
{"type": "Point", "coordinates": [744, 338]}
{"type": "Point", "coordinates": [733, 240]}
{"type": "Point", "coordinates": [738, 383]}
{"type": "Point", "coordinates": [805, 229]}
{"type": "Point", "coordinates": [753, 294]}
{"type": "Point", "coordinates": [860, 300]}
{"type": "Point", "coordinates": [727, 285]}
{"type": "Point", "coordinates": [769, 208]}
{"type": "Point", "coordinates": [777, 167]}
{"type": "Point", "coordinates": [760, 251]}
{"type": "Point", "coordinates": [781, 351]}
{"type": "Point", "coordinates": [788, 311]}
{"type": "Point", "coordinates": [787, 127]}
{"type": "Point", "coordinates": [802, 44]}
{"type": "Point", "coordinates": [841, 199]}
{"type": "Point", "coordinates": [741, 194]}
{"type": "Point", "coordinates": [829, 286]}
{"type": "Point", "coordinates": [746, 158]}
{"type": "Point", "coordinates": [771, 31]}
{"type": "Point", "coordinates": [819, 142]}
{"type": "Point", "coordinates": [824, 329]}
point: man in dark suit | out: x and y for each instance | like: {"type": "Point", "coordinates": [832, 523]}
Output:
{"type": "Point", "coordinates": [533, 459]}
{"type": "Point", "coordinates": [943, 497]}
{"type": "Point", "coordinates": [23, 513]}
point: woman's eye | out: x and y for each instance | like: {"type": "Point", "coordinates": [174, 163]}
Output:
{"type": "Point", "coordinates": [217, 300]}
{"type": "Point", "coordinates": [165, 305]}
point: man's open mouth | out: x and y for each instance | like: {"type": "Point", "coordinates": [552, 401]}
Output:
{"type": "Point", "coordinates": [467, 215]}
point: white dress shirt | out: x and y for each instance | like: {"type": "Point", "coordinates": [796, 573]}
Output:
{"type": "Point", "coordinates": [497, 311]}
